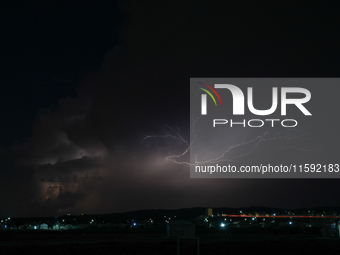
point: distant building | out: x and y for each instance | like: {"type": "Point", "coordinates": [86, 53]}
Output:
{"type": "Point", "coordinates": [181, 228]}
{"type": "Point", "coordinates": [56, 227]}
{"type": "Point", "coordinates": [31, 227]}
{"type": "Point", "coordinates": [329, 230]}
{"type": "Point", "coordinates": [209, 211]}
{"type": "Point", "coordinates": [66, 227]}
{"type": "Point", "coordinates": [82, 226]}
{"type": "Point", "coordinates": [43, 226]}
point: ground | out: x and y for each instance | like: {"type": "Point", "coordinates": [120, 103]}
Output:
{"type": "Point", "coordinates": [234, 241]}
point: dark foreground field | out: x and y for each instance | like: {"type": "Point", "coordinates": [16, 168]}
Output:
{"type": "Point", "coordinates": [251, 241]}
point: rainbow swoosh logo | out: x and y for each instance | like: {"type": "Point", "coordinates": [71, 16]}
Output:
{"type": "Point", "coordinates": [209, 93]}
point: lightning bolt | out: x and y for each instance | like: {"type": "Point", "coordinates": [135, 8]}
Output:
{"type": "Point", "coordinates": [249, 146]}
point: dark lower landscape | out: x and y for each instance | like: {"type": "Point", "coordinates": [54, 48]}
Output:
{"type": "Point", "coordinates": [145, 241]}
{"type": "Point", "coordinates": [182, 231]}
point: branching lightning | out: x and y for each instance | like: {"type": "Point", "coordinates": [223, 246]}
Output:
{"type": "Point", "coordinates": [248, 146]}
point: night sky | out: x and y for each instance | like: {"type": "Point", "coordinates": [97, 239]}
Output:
{"type": "Point", "coordinates": [82, 83]}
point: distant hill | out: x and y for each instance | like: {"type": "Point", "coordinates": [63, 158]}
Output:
{"type": "Point", "coordinates": [162, 214]}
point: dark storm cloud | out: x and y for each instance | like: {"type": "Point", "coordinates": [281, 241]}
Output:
{"type": "Point", "coordinates": [70, 171]}
{"type": "Point", "coordinates": [87, 154]}
{"type": "Point", "coordinates": [64, 201]}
